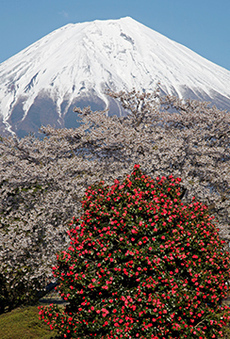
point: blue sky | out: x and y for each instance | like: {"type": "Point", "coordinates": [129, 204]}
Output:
{"type": "Point", "coordinates": [201, 25]}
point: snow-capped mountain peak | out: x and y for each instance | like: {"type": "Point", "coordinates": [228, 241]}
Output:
{"type": "Point", "coordinates": [74, 64]}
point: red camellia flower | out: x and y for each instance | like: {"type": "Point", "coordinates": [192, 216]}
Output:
{"type": "Point", "coordinates": [141, 264]}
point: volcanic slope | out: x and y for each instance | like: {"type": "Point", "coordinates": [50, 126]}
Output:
{"type": "Point", "coordinates": [73, 65]}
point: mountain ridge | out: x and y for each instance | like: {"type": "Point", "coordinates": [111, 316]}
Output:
{"type": "Point", "coordinates": [76, 63]}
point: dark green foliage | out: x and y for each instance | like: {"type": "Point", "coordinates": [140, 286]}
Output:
{"type": "Point", "coordinates": [141, 264]}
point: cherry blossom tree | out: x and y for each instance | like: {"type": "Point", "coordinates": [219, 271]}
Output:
{"type": "Point", "coordinates": [42, 181]}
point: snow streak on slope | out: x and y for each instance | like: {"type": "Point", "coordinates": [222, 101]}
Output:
{"type": "Point", "coordinates": [88, 57]}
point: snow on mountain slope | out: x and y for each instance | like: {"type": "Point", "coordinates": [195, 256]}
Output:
{"type": "Point", "coordinates": [75, 64]}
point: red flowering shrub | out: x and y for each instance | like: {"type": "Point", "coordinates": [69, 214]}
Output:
{"type": "Point", "coordinates": [141, 264]}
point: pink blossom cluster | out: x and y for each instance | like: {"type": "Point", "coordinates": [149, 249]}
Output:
{"type": "Point", "coordinates": [141, 264]}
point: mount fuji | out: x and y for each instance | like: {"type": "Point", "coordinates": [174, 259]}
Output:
{"type": "Point", "coordinates": [74, 65]}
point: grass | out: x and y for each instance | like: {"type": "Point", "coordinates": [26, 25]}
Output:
{"type": "Point", "coordinates": [23, 323]}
